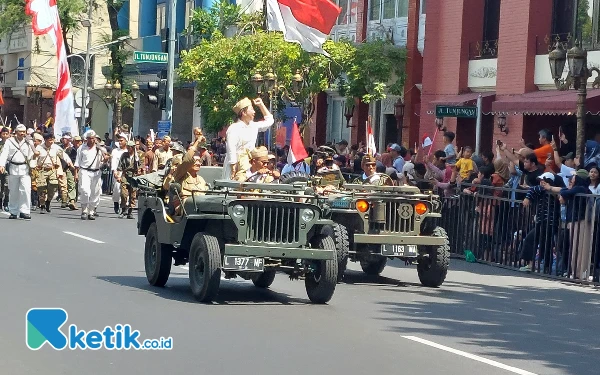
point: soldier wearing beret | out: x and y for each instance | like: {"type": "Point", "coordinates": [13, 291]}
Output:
{"type": "Point", "coordinates": [130, 165]}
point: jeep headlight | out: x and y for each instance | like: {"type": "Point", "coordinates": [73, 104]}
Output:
{"type": "Point", "coordinates": [238, 210]}
{"type": "Point", "coordinates": [308, 215]}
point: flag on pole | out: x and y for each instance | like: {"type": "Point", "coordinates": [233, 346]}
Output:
{"type": "Point", "coordinates": [1, 97]}
{"type": "Point", "coordinates": [371, 149]}
{"type": "Point", "coordinates": [45, 21]}
{"type": "Point", "coordinates": [426, 141]}
{"type": "Point", "coordinates": [306, 22]}
{"type": "Point", "coordinates": [297, 151]}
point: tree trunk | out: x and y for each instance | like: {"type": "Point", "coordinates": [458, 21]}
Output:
{"type": "Point", "coordinates": [67, 45]}
{"type": "Point", "coordinates": [117, 67]}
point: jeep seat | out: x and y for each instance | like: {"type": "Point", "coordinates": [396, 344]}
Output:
{"type": "Point", "coordinates": [208, 204]}
{"type": "Point", "coordinates": [210, 174]}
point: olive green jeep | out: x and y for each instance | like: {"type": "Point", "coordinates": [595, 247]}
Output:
{"type": "Point", "coordinates": [236, 229]}
{"type": "Point", "coordinates": [374, 223]}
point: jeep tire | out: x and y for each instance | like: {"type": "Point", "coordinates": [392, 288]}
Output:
{"type": "Point", "coordinates": [339, 233]}
{"type": "Point", "coordinates": [157, 258]}
{"type": "Point", "coordinates": [432, 270]}
{"type": "Point", "coordinates": [264, 279]}
{"type": "Point", "coordinates": [320, 283]}
{"type": "Point", "coordinates": [205, 267]}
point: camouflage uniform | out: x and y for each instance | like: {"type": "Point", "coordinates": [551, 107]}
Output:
{"type": "Point", "coordinates": [129, 166]}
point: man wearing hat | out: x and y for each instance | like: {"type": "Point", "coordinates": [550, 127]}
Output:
{"type": "Point", "coordinates": [88, 162]}
{"type": "Point", "coordinates": [370, 175]}
{"type": "Point", "coordinates": [67, 181]}
{"type": "Point", "coordinates": [115, 157]}
{"type": "Point", "coordinates": [258, 171]}
{"type": "Point", "coordinates": [50, 170]}
{"type": "Point", "coordinates": [129, 167]}
{"type": "Point", "coordinates": [162, 155]}
{"type": "Point", "coordinates": [4, 135]}
{"type": "Point", "coordinates": [18, 153]}
{"type": "Point", "coordinates": [34, 172]}
{"type": "Point", "coordinates": [242, 135]}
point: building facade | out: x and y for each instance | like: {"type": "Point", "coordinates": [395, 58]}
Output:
{"type": "Point", "coordinates": [499, 50]}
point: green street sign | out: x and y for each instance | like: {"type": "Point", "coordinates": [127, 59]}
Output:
{"type": "Point", "coordinates": [149, 57]}
{"type": "Point", "coordinates": [455, 111]}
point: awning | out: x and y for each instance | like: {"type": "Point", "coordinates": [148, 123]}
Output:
{"type": "Point", "coordinates": [468, 99]}
{"type": "Point", "coordinates": [547, 102]}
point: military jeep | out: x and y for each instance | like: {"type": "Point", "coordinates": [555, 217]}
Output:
{"type": "Point", "coordinates": [374, 223]}
{"type": "Point", "coordinates": [245, 230]}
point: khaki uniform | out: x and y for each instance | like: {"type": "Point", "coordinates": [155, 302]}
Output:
{"type": "Point", "coordinates": [160, 159]}
{"type": "Point", "coordinates": [189, 185]}
{"type": "Point", "coordinates": [129, 167]}
{"type": "Point", "coordinates": [3, 184]}
{"type": "Point", "coordinates": [249, 176]}
{"type": "Point", "coordinates": [49, 171]}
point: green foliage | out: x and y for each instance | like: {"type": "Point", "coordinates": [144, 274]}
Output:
{"type": "Point", "coordinates": [221, 16]}
{"type": "Point", "coordinates": [12, 16]}
{"type": "Point", "coordinates": [222, 69]}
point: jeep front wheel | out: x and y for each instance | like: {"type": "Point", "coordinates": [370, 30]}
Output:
{"type": "Point", "coordinates": [264, 280]}
{"type": "Point", "coordinates": [205, 267]}
{"type": "Point", "coordinates": [433, 268]}
{"type": "Point", "coordinates": [157, 258]}
{"type": "Point", "coordinates": [373, 266]}
{"type": "Point", "coordinates": [339, 233]}
{"type": "Point", "coordinates": [321, 280]}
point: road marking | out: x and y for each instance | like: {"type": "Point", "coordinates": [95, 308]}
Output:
{"type": "Point", "coordinates": [84, 237]}
{"type": "Point", "coordinates": [5, 213]}
{"type": "Point", "coordinates": [470, 356]}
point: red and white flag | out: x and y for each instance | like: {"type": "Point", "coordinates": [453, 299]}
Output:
{"type": "Point", "coordinates": [371, 149]}
{"type": "Point", "coordinates": [426, 141]}
{"type": "Point", "coordinates": [307, 22]}
{"type": "Point", "coordinates": [297, 151]}
{"type": "Point", "coordinates": [45, 21]}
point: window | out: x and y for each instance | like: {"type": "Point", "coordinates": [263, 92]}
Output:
{"type": "Point", "coordinates": [161, 18]}
{"type": "Point", "coordinates": [375, 10]}
{"type": "Point", "coordinates": [491, 20]}
{"type": "Point", "coordinates": [77, 70]}
{"type": "Point", "coordinates": [388, 9]}
{"type": "Point", "coordinates": [20, 69]}
{"type": "Point", "coordinates": [343, 17]}
{"type": "Point", "coordinates": [576, 19]}
{"type": "Point", "coordinates": [423, 6]}
{"type": "Point", "coordinates": [402, 8]}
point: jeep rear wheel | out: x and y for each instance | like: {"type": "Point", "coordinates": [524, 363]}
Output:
{"type": "Point", "coordinates": [205, 267]}
{"type": "Point", "coordinates": [432, 269]}
{"type": "Point", "coordinates": [320, 282]}
{"type": "Point", "coordinates": [373, 266]}
{"type": "Point", "coordinates": [339, 233]}
{"type": "Point", "coordinates": [157, 258]}
{"type": "Point", "coordinates": [264, 280]}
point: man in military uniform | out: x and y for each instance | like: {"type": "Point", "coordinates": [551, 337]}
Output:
{"type": "Point", "coordinates": [370, 176]}
{"type": "Point", "coordinates": [129, 166]}
{"type": "Point", "coordinates": [67, 180]}
{"type": "Point", "coordinates": [34, 173]}
{"type": "Point", "coordinates": [258, 171]}
{"type": "Point", "coordinates": [163, 154]}
{"type": "Point", "coordinates": [4, 135]}
{"type": "Point", "coordinates": [50, 170]}
{"type": "Point", "coordinates": [115, 157]}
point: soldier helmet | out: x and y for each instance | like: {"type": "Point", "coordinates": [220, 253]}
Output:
{"type": "Point", "coordinates": [177, 147]}
{"type": "Point", "coordinates": [368, 159]}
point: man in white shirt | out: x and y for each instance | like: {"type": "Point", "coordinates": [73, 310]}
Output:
{"type": "Point", "coordinates": [115, 156]}
{"type": "Point", "coordinates": [88, 162]}
{"type": "Point", "coordinates": [242, 135]}
{"type": "Point", "coordinates": [50, 170]}
{"type": "Point", "coordinates": [18, 153]}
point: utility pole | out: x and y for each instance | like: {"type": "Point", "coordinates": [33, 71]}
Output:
{"type": "Point", "coordinates": [86, 69]}
{"type": "Point", "coordinates": [172, 5]}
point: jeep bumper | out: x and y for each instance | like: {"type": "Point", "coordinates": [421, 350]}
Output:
{"type": "Point", "coordinates": [279, 252]}
{"type": "Point", "coordinates": [383, 239]}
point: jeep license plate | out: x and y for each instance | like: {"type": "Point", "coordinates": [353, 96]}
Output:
{"type": "Point", "coordinates": [399, 250]}
{"type": "Point", "coordinates": [233, 263]}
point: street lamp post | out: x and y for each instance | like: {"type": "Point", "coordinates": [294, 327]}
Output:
{"type": "Point", "coordinates": [114, 92]}
{"type": "Point", "coordinates": [86, 67]}
{"type": "Point", "coordinates": [268, 86]}
{"type": "Point", "coordinates": [578, 75]}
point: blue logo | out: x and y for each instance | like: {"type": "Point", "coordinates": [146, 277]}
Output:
{"type": "Point", "coordinates": [43, 325]}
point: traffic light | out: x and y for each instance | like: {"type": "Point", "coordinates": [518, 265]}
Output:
{"type": "Point", "coordinates": [158, 95]}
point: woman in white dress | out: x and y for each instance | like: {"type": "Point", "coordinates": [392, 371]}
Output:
{"type": "Point", "coordinates": [242, 135]}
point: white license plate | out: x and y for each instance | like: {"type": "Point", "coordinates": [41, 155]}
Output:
{"type": "Point", "coordinates": [399, 250]}
{"type": "Point", "coordinates": [233, 263]}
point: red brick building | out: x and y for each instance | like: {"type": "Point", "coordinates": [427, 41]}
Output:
{"type": "Point", "coordinates": [499, 50]}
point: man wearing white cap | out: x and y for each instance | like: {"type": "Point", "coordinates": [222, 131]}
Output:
{"type": "Point", "coordinates": [18, 153]}
{"type": "Point", "coordinates": [115, 157]}
{"type": "Point", "coordinates": [88, 162]}
{"type": "Point", "coordinates": [242, 135]}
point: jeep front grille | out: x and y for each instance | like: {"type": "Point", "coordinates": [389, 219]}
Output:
{"type": "Point", "coordinates": [400, 217]}
{"type": "Point", "coordinates": [270, 223]}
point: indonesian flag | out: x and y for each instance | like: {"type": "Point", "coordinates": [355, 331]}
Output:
{"type": "Point", "coordinates": [370, 140]}
{"type": "Point", "coordinates": [426, 141]}
{"type": "Point", "coordinates": [307, 22]}
{"type": "Point", "coordinates": [297, 151]}
{"type": "Point", "coordinates": [45, 21]}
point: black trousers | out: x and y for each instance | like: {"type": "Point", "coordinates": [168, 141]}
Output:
{"type": "Point", "coordinates": [541, 234]}
{"type": "Point", "coordinates": [3, 190]}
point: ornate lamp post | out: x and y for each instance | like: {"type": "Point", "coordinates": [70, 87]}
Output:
{"type": "Point", "coordinates": [577, 76]}
{"type": "Point", "coordinates": [114, 93]}
{"type": "Point", "coordinates": [267, 86]}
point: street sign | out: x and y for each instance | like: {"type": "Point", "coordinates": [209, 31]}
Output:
{"type": "Point", "coordinates": [164, 128]}
{"type": "Point", "coordinates": [455, 111]}
{"type": "Point", "coordinates": [78, 112]}
{"type": "Point", "coordinates": [79, 98]}
{"type": "Point", "coordinates": [150, 57]}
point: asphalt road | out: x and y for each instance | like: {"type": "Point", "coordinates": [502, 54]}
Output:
{"type": "Point", "coordinates": [482, 320]}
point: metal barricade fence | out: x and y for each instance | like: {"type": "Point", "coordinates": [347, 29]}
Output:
{"type": "Point", "coordinates": [558, 240]}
